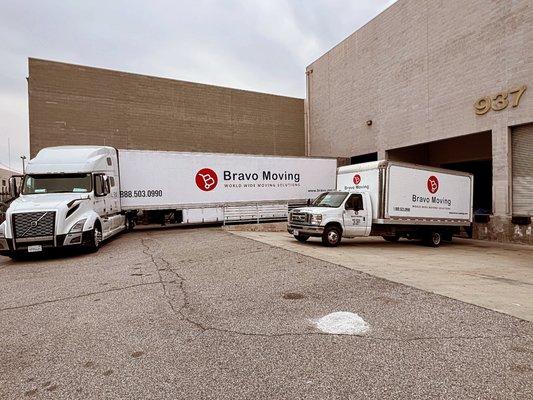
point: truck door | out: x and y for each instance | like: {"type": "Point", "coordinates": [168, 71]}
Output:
{"type": "Point", "coordinates": [101, 201]}
{"type": "Point", "coordinates": [356, 216]}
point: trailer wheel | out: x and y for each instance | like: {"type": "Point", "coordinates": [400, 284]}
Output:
{"type": "Point", "coordinates": [301, 238]}
{"type": "Point", "coordinates": [129, 223]}
{"type": "Point", "coordinates": [393, 239]}
{"type": "Point", "coordinates": [433, 239]}
{"type": "Point", "coordinates": [331, 236]}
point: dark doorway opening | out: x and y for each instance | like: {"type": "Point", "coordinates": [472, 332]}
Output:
{"type": "Point", "coordinates": [482, 171]}
{"type": "Point", "coordinates": [364, 158]}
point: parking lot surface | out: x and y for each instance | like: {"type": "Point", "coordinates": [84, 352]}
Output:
{"type": "Point", "coordinates": [492, 275]}
{"type": "Point", "coordinates": [202, 313]}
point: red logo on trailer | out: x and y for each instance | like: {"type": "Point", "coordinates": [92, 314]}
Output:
{"type": "Point", "coordinates": [357, 179]}
{"type": "Point", "coordinates": [433, 184]}
{"type": "Point", "coordinates": [206, 179]}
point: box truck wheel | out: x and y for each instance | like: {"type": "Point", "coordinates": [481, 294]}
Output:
{"type": "Point", "coordinates": [301, 238]}
{"type": "Point", "coordinates": [433, 239]}
{"type": "Point", "coordinates": [331, 236]}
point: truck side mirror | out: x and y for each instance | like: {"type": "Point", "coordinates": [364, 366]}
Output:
{"type": "Point", "coordinates": [13, 187]}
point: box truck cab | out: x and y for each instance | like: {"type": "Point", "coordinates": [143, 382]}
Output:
{"type": "Point", "coordinates": [69, 196]}
{"type": "Point", "coordinates": [388, 199]}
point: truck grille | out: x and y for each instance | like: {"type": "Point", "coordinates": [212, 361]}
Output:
{"type": "Point", "coordinates": [34, 224]}
{"type": "Point", "coordinates": [299, 217]}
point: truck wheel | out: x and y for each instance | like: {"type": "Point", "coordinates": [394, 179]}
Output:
{"type": "Point", "coordinates": [394, 238]}
{"type": "Point", "coordinates": [96, 239]}
{"type": "Point", "coordinates": [433, 239]}
{"type": "Point", "coordinates": [301, 238]}
{"type": "Point", "coordinates": [331, 236]}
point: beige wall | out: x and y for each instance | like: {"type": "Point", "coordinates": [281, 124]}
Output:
{"type": "Point", "coordinates": [71, 104]}
{"type": "Point", "coordinates": [416, 71]}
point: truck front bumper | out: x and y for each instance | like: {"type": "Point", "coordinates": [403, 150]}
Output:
{"type": "Point", "coordinates": [8, 246]}
{"type": "Point", "coordinates": [311, 230]}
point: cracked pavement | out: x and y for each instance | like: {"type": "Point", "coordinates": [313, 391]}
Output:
{"type": "Point", "coordinates": [200, 313]}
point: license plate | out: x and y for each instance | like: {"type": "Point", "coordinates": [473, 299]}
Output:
{"type": "Point", "coordinates": [35, 249]}
{"type": "Point", "coordinates": [295, 232]}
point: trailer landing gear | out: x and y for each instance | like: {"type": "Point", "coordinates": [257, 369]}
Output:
{"type": "Point", "coordinates": [393, 239]}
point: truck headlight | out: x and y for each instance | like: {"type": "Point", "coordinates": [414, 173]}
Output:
{"type": "Point", "coordinates": [316, 219]}
{"type": "Point", "coordinates": [3, 230]}
{"type": "Point", "coordinates": [78, 226]}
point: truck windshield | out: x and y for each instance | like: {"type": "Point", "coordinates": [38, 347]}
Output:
{"type": "Point", "coordinates": [330, 199]}
{"type": "Point", "coordinates": [57, 183]}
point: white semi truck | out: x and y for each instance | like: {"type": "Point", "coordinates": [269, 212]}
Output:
{"type": "Point", "coordinates": [388, 199]}
{"type": "Point", "coordinates": [83, 195]}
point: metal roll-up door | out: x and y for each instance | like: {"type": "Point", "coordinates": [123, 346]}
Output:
{"type": "Point", "coordinates": [522, 154]}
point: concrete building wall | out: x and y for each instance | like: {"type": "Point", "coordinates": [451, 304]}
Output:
{"type": "Point", "coordinates": [416, 71]}
{"type": "Point", "coordinates": [72, 104]}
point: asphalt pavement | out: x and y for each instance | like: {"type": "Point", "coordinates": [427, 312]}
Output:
{"type": "Point", "coordinates": [204, 314]}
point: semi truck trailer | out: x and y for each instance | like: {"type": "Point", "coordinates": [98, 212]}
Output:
{"type": "Point", "coordinates": [83, 195]}
{"type": "Point", "coordinates": [388, 199]}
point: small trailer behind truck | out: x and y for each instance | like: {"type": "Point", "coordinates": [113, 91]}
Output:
{"type": "Point", "coordinates": [83, 195]}
{"type": "Point", "coordinates": [388, 199]}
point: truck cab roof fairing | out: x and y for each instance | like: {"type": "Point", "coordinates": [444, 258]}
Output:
{"type": "Point", "coordinates": [70, 159]}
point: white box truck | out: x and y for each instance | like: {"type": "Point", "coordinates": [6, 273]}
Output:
{"type": "Point", "coordinates": [388, 199]}
{"type": "Point", "coordinates": [83, 195]}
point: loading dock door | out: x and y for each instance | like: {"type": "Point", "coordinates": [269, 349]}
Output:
{"type": "Point", "coordinates": [522, 151]}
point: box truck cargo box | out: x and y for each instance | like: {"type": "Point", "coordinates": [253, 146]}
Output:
{"type": "Point", "coordinates": [400, 191]}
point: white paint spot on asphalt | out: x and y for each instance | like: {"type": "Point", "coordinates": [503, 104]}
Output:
{"type": "Point", "coordinates": [342, 323]}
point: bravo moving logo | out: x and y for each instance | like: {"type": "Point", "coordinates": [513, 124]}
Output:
{"type": "Point", "coordinates": [206, 179]}
{"type": "Point", "coordinates": [357, 179]}
{"type": "Point", "coordinates": [433, 184]}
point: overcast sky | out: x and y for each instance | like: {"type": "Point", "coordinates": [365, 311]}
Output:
{"type": "Point", "coordinates": [247, 44]}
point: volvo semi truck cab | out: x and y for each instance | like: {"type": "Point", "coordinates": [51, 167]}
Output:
{"type": "Point", "coordinates": [69, 196]}
{"type": "Point", "coordinates": [388, 199]}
